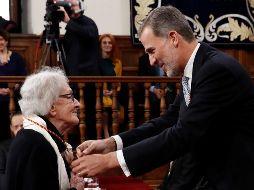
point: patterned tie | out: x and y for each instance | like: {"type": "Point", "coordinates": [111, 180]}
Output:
{"type": "Point", "coordinates": [186, 90]}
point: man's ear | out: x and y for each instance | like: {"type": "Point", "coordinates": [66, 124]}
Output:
{"type": "Point", "coordinates": [52, 111]}
{"type": "Point", "coordinates": [173, 36]}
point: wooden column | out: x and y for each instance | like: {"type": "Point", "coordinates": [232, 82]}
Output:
{"type": "Point", "coordinates": [147, 104]}
{"type": "Point", "coordinates": [82, 116]}
{"type": "Point", "coordinates": [115, 119]}
{"type": "Point", "coordinates": [131, 106]}
{"type": "Point", "coordinates": [98, 107]}
{"type": "Point", "coordinates": [163, 101]}
{"type": "Point", "coordinates": [12, 108]}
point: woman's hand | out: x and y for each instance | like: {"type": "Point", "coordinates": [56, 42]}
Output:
{"type": "Point", "coordinates": [96, 147]}
{"type": "Point", "coordinates": [4, 91]}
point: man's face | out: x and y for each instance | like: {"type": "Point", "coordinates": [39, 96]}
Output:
{"type": "Point", "coordinates": [75, 8]}
{"type": "Point", "coordinates": [161, 51]}
{"type": "Point", "coordinates": [16, 124]}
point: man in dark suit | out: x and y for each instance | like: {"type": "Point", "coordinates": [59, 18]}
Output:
{"type": "Point", "coordinates": [211, 119]}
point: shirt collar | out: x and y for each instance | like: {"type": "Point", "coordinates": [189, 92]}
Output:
{"type": "Point", "coordinates": [189, 66]}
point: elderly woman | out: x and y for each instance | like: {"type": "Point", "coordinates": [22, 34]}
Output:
{"type": "Point", "coordinates": [39, 158]}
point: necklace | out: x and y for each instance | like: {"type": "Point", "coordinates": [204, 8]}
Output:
{"type": "Point", "coordinates": [49, 131]}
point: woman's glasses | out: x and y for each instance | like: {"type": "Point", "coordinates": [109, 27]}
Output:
{"type": "Point", "coordinates": [68, 96]}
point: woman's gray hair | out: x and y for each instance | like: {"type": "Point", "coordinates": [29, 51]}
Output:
{"type": "Point", "coordinates": [40, 90]}
{"type": "Point", "coordinates": [166, 18]}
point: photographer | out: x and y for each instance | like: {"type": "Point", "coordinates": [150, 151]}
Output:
{"type": "Point", "coordinates": [81, 45]}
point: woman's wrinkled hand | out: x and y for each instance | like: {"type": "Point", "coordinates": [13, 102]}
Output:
{"type": "Point", "coordinates": [96, 147]}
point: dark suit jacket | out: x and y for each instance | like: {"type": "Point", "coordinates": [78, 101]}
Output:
{"type": "Point", "coordinates": [216, 128]}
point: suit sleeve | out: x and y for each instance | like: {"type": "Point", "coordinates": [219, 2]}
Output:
{"type": "Point", "coordinates": [152, 127]}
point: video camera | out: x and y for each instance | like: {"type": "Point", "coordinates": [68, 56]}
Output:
{"type": "Point", "coordinates": [52, 10]}
{"type": "Point", "coordinates": [53, 16]}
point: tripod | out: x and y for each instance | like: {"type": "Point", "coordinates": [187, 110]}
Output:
{"type": "Point", "coordinates": [50, 41]}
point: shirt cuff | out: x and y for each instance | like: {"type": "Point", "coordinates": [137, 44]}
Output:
{"type": "Point", "coordinates": [122, 163]}
{"type": "Point", "coordinates": [152, 88]}
{"type": "Point", "coordinates": [119, 142]}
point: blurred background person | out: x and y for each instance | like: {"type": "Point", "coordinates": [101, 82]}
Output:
{"type": "Point", "coordinates": [155, 91]}
{"type": "Point", "coordinates": [110, 66]}
{"type": "Point", "coordinates": [11, 64]}
{"type": "Point", "coordinates": [16, 125]}
{"type": "Point", "coordinates": [50, 110]}
{"type": "Point", "coordinates": [8, 25]}
{"type": "Point", "coordinates": [81, 45]}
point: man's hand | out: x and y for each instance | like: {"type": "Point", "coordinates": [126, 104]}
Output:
{"type": "Point", "coordinates": [66, 18]}
{"type": "Point", "coordinates": [96, 147]}
{"type": "Point", "coordinates": [96, 164]}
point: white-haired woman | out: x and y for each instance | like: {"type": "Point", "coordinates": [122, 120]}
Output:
{"type": "Point", "coordinates": [38, 158]}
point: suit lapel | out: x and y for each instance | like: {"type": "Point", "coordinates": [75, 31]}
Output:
{"type": "Point", "coordinates": [198, 63]}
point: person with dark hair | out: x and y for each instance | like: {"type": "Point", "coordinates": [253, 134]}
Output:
{"type": "Point", "coordinates": [81, 45]}
{"type": "Point", "coordinates": [8, 25]}
{"type": "Point", "coordinates": [11, 64]}
{"type": "Point", "coordinates": [209, 125]}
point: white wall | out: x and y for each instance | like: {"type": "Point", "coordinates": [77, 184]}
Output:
{"type": "Point", "coordinates": [111, 16]}
{"type": "Point", "coordinates": [4, 9]}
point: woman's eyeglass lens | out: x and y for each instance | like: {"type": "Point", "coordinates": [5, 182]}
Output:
{"type": "Point", "coordinates": [68, 96]}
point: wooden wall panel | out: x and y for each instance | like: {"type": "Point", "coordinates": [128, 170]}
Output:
{"type": "Point", "coordinates": [244, 54]}
{"type": "Point", "coordinates": [26, 45]}
{"type": "Point", "coordinates": [248, 59]}
{"type": "Point", "coordinates": [129, 55]}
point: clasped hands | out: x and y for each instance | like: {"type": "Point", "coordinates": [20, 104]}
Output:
{"type": "Point", "coordinates": [95, 158]}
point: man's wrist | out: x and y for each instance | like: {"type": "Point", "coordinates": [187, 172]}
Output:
{"type": "Point", "coordinates": [113, 166]}
{"type": "Point", "coordinates": [112, 144]}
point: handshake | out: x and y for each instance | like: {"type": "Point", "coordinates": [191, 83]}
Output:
{"type": "Point", "coordinates": [96, 157]}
